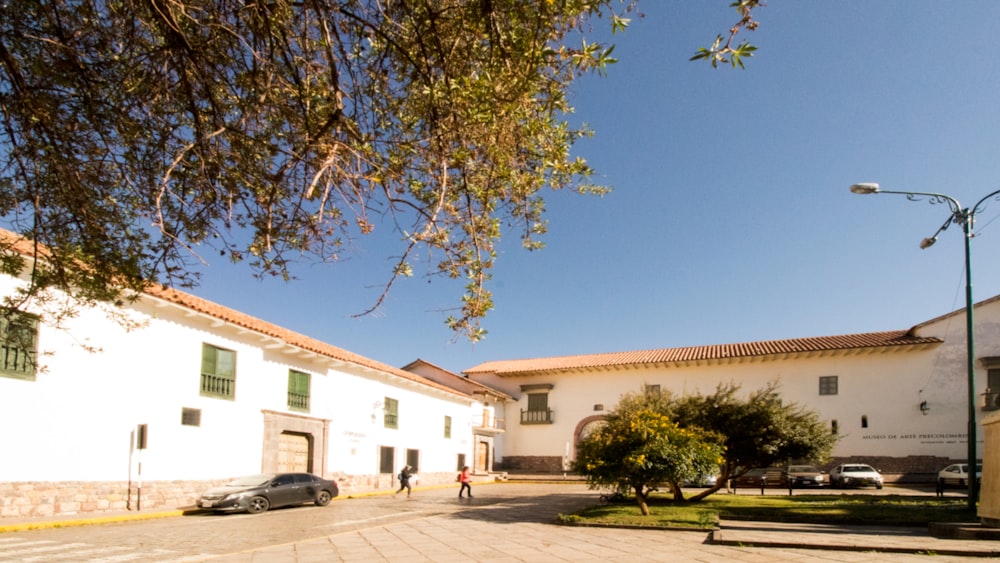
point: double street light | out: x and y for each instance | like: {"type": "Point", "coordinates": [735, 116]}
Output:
{"type": "Point", "coordinates": [966, 217]}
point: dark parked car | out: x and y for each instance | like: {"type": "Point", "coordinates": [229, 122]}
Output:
{"type": "Point", "coordinates": [257, 493]}
{"type": "Point", "coordinates": [756, 478]}
{"type": "Point", "coordinates": [804, 476]}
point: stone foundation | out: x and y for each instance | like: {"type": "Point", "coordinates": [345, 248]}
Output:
{"type": "Point", "coordinates": [89, 498]}
{"type": "Point", "coordinates": [531, 464]}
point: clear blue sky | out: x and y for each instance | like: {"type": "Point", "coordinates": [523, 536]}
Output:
{"type": "Point", "coordinates": [730, 219]}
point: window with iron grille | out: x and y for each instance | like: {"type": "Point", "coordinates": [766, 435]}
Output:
{"type": "Point", "coordinates": [828, 385]}
{"type": "Point", "coordinates": [18, 345]}
{"type": "Point", "coordinates": [538, 410]}
{"type": "Point", "coordinates": [386, 459]}
{"type": "Point", "coordinates": [298, 390]}
{"type": "Point", "coordinates": [391, 416]}
{"type": "Point", "coordinates": [218, 372]}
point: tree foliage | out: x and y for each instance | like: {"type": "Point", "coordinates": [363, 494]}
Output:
{"type": "Point", "coordinates": [639, 448]}
{"type": "Point", "coordinates": [760, 429]}
{"type": "Point", "coordinates": [726, 52]}
{"type": "Point", "coordinates": [142, 137]}
{"type": "Point", "coordinates": [654, 439]}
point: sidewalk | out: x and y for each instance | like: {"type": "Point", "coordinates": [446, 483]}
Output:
{"type": "Point", "coordinates": [885, 539]}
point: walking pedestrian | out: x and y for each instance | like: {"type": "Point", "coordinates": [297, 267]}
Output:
{"type": "Point", "coordinates": [404, 480]}
{"type": "Point", "coordinates": [466, 481]}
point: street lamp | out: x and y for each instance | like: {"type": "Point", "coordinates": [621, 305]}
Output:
{"type": "Point", "coordinates": [965, 216]}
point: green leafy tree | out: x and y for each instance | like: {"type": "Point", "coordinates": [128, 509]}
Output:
{"type": "Point", "coordinates": [140, 138]}
{"type": "Point", "coordinates": [639, 448]}
{"type": "Point", "coordinates": [759, 429]}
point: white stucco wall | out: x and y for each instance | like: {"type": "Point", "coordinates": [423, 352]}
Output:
{"type": "Point", "coordinates": [74, 421]}
{"type": "Point", "coordinates": [885, 387]}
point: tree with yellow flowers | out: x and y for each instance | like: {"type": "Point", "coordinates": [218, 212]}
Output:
{"type": "Point", "coordinates": [640, 448]}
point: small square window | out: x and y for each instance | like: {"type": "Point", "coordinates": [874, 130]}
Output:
{"type": "Point", "coordinates": [190, 417]}
{"type": "Point", "coordinates": [828, 385]}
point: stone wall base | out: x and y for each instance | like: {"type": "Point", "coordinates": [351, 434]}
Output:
{"type": "Point", "coordinates": [91, 498]}
{"type": "Point", "coordinates": [531, 464]}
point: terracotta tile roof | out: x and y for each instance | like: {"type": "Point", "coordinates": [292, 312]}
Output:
{"type": "Point", "coordinates": [289, 337]}
{"type": "Point", "coordinates": [247, 322]}
{"type": "Point", "coordinates": [719, 353]}
{"type": "Point", "coordinates": [461, 382]}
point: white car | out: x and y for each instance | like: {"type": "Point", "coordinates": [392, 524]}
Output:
{"type": "Point", "coordinates": [957, 474]}
{"type": "Point", "coordinates": [855, 475]}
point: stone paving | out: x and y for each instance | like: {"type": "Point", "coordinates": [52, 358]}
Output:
{"type": "Point", "coordinates": [505, 522]}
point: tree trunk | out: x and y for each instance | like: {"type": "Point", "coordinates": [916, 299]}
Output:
{"type": "Point", "coordinates": [640, 499]}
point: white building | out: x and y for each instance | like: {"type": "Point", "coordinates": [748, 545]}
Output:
{"type": "Point", "coordinates": [487, 418]}
{"type": "Point", "coordinates": [897, 399]}
{"type": "Point", "coordinates": [213, 394]}
{"type": "Point", "coordinates": [210, 393]}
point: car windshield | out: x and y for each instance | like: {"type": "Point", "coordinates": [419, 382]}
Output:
{"type": "Point", "coordinates": [857, 468]}
{"type": "Point", "coordinates": [251, 480]}
{"type": "Point", "coordinates": [802, 469]}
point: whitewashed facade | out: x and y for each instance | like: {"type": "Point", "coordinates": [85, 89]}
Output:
{"type": "Point", "coordinates": [898, 399]}
{"type": "Point", "coordinates": [487, 416]}
{"type": "Point", "coordinates": [71, 427]}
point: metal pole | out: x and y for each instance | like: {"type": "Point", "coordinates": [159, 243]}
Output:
{"type": "Point", "coordinates": [970, 361]}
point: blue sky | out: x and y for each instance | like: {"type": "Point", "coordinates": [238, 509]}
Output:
{"type": "Point", "coordinates": [730, 219]}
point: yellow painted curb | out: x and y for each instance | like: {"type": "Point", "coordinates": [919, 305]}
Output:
{"type": "Point", "coordinates": [86, 521]}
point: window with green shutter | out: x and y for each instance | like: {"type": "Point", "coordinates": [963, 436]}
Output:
{"type": "Point", "coordinates": [298, 390]}
{"type": "Point", "coordinates": [391, 413]}
{"type": "Point", "coordinates": [447, 427]}
{"type": "Point", "coordinates": [218, 372]}
{"type": "Point", "coordinates": [18, 346]}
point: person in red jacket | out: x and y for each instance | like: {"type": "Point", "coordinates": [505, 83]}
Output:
{"type": "Point", "coordinates": [466, 480]}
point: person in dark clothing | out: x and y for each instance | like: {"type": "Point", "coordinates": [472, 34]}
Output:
{"type": "Point", "coordinates": [404, 480]}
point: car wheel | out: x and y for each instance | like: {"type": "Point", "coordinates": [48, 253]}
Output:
{"type": "Point", "coordinates": [258, 505]}
{"type": "Point", "coordinates": [961, 483]}
{"type": "Point", "coordinates": [323, 498]}
{"type": "Point", "coordinates": [879, 487]}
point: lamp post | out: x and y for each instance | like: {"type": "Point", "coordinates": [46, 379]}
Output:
{"type": "Point", "coordinates": [966, 217]}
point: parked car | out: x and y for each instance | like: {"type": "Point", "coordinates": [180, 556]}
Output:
{"type": "Point", "coordinates": [957, 474]}
{"type": "Point", "coordinates": [804, 476]}
{"type": "Point", "coordinates": [257, 493]}
{"type": "Point", "coordinates": [855, 475]}
{"type": "Point", "coordinates": [755, 478]}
